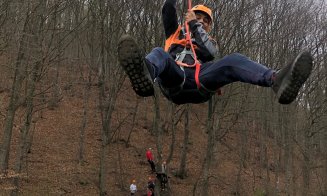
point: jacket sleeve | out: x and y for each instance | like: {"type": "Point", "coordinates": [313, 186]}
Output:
{"type": "Point", "coordinates": [207, 46]}
{"type": "Point", "coordinates": [169, 17]}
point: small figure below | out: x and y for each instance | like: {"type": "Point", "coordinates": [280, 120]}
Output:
{"type": "Point", "coordinates": [149, 157]}
{"type": "Point", "coordinates": [149, 193]}
{"type": "Point", "coordinates": [162, 175]}
{"type": "Point", "coordinates": [151, 186]}
{"type": "Point", "coordinates": [133, 187]}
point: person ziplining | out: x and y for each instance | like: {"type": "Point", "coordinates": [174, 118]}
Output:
{"type": "Point", "coordinates": [186, 71]}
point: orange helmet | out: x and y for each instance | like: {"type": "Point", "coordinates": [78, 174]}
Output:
{"type": "Point", "coordinates": [204, 9]}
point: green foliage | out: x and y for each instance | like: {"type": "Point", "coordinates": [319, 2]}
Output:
{"type": "Point", "coordinates": [260, 192]}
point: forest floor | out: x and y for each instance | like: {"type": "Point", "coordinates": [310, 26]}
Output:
{"type": "Point", "coordinates": [52, 165]}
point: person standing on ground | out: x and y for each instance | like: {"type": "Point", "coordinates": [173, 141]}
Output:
{"type": "Point", "coordinates": [162, 175]}
{"type": "Point", "coordinates": [133, 187]}
{"type": "Point", "coordinates": [151, 186]}
{"type": "Point", "coordinates": [149, 157]}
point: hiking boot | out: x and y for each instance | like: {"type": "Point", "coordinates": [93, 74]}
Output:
{"type": "Point", "coordinates": [288, 81]}
{"type": "Point", "coordinates": [131, 60]}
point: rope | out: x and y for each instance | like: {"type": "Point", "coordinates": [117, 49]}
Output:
{"type": "Point", "coordinates": [196, 64]}
{"type": "Point", "coordinates": [189, 41]}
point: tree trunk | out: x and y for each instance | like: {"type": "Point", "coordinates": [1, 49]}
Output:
{"type": "Point", "coordinates": [86, 97]}
{"type": "Point", "coordinates": [14, 99]}
{"type": "Point", "coordinates": [306, 166]}
{"type": "Point", "coordinates": [104, 107]}
{"type": "Point", "coordinates": [242, 160]}
{"type": "Point", "coordinates": [23, 145]}
{"type": "Point", "coordinates": [135, 111]}
{"type": "Point", "coordinates": [210, 146]}
{"type": "Point", "coordinates": [325, 168]}
{"type": "Point", "coordinates": [288, 153]}
{"type": "Point", "coordinates": [173, 132]}
{"type": "Point", "coordinates": [157, 129]}
{"type": "Point", "coordinates": [35, 45]}
{"type": "Point", "coordinates": [182, 166]}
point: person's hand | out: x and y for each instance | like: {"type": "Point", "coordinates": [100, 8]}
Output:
{"type": "Point", "coordinates": [190, 15]}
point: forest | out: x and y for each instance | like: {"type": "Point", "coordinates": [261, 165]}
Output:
{"type": "Point", "coordinates": [72, 125]}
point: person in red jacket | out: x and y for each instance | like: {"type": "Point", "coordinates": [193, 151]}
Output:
{"type": "Point", "coordinates": [150, 192]}
{"type": "Point", "coordinates": [149, 157]}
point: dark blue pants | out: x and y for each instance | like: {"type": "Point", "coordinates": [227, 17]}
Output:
{"type": "Point", "coordinates": [213, 75]}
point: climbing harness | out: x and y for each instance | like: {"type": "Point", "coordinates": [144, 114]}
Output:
{"type": "Point", "coordinates": [189, 49]}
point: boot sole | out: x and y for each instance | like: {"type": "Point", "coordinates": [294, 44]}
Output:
{"type": "Point", "coordinates": [132, 62]}
{"type": "Point", "coordinates": [292, 83]}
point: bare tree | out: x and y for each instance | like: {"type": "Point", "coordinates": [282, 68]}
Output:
{"type": "Point", "coordinates": [14, 102]}
{"type": "Point", "coordinates": [182, 172]}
